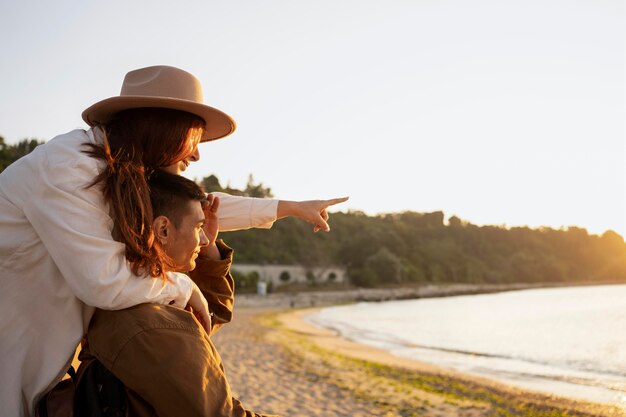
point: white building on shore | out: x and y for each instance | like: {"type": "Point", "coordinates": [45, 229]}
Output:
{"type": "Point", "coordinates": [290, 274]}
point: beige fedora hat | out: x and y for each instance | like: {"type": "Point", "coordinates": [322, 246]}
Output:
{"type": "Point", "coordinates": [164, 87]}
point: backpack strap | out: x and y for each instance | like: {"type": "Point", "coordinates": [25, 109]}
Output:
{"type": "Point", "coordinates": [59, 401]}
{"type": "Point", "coordinates": [98, 392]}
{"type": "Point", "coordinates": [92, 391]}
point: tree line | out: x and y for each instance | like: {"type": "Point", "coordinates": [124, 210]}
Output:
{"type": "Point", "coordinates": [413, 248]}
{"type": "Point", "coordinates": [10, 153]}
{"type": "Point", "coordinates": [410, 247]}
{"type": "Point", "coordinates": [418, 248]}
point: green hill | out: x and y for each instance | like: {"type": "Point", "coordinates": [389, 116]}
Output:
{"type": "Point", "coordinates": [414, 247]}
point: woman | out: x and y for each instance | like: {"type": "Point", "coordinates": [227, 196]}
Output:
{"type": "Point", "coordinates": [58, 258]}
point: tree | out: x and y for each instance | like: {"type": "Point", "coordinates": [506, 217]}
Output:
{"type": "Point", "coordinates": [454, 221]}
{"type": "Point", "coordinates": [385, 265]}
{"type": "Point", "coordinates": [5, 157]}
{"type": "Point", "coordinates": [11, 153]}
{"type": "Point", "coordinates": [362, 277]}
{"type": "Point", "coordinates": [245, 283]}
{"type": "Point", "coordinates": [211, 184]}
{"type": "Point", "coordinates": [310, 277]}
{"type": "Point", "coordinates": [285, 276]}
{"type": "Point", "coordinates": [257, 190]}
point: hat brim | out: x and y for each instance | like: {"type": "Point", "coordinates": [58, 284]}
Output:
{"type": "Point", "coordinates": [218, 123]}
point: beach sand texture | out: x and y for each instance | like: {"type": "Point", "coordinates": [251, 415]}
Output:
{"type": "Point", "coordinates": [279, 364]}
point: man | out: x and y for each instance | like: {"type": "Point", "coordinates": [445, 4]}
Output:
{"type": "Point", "coordinates": [161, 353]}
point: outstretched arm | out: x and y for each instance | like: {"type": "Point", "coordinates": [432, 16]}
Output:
{"type": "Point", "coordinates": [239, 213]}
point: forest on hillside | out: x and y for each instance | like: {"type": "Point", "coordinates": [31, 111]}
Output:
{"type": "Point", "coordinates": [413, 248]}
{"type": "Point", "coordinates": [10, 153]}
{"type": "Point", "coordinates": [410, 247]}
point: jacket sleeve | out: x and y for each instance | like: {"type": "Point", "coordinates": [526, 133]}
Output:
{"type": "Point", "coordinates": [239, 213]}
{"type": "Point", "coordinates": [216, 283]}
{"type": "Point", "coordinates": [73, 223]}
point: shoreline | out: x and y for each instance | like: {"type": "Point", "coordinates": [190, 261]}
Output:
{"type": "Point", "coordinates": [278, 363]}
{"type": "Point", "coordinates": [418, 384]}
{"type": "Point", "coordinates": [308, 299]}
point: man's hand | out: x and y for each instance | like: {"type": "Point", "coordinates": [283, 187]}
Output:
{"type": "Point", "coordinates": [211, 227]}
{"type": "Point", "coordinates": [311, 211]}
{"type": "Point", "coordinates": [211, 221]}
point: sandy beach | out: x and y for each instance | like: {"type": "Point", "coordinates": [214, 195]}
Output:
{"type": "Point", "coordinates": [279, 364]}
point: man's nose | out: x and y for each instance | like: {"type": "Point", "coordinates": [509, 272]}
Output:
{"type": "Point", "coordinates": [204, 240]}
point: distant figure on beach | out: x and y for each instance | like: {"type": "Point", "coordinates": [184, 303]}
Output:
{"type": "Point", "coordinates": [161, 353]}
{"type": "Point", "coordinates": [76, 225]}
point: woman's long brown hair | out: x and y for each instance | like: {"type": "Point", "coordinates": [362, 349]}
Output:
{"type": "Point", "coordinates": [137, 142]}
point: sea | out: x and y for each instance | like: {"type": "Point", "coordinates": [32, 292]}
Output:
{"type": "Point", "coordinates": [568, 341]}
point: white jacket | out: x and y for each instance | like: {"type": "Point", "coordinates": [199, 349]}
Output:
{"type": "Point", "coordinates": [58, 262]}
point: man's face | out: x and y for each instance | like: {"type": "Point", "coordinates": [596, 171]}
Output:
{"type": "Point", "coordinates": [185, 241]}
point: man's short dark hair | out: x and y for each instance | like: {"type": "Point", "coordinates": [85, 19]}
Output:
{"type": "Point", "coordinates": [170, 193]}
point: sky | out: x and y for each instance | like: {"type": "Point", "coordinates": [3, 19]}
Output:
{"type": "Point", "coordinates": [499, 112]}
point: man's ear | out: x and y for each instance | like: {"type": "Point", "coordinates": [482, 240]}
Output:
{"type": "Point", "coordinates": [161, 226]}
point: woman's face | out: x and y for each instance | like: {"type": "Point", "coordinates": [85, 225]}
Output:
{"type": "Point", "coordinates": [193, 139]}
